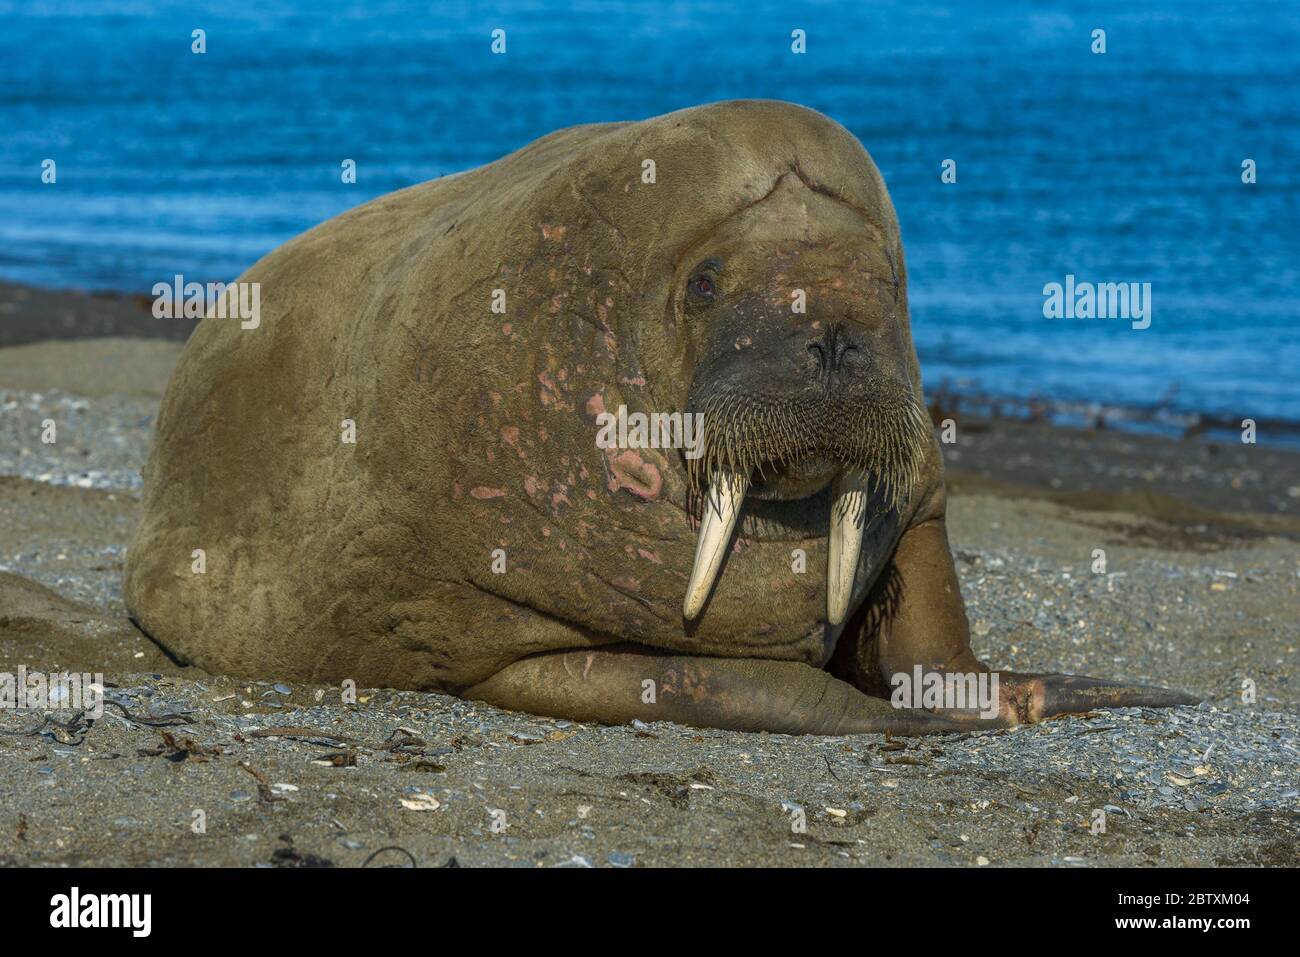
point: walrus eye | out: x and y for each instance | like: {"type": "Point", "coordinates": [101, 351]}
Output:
{"type": "Point", "coordinates": [703, 286]}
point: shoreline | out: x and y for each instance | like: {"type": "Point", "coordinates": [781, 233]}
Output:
{"type": "Point", "coordinates": [26, 314]}
{"type": "Point", "coordinates": [109, 347]}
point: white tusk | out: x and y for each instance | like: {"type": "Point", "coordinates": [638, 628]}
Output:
{"type": "Point", "coordinates": [721, 507]}
{"type": "Point", "coordinates": [848, 516]}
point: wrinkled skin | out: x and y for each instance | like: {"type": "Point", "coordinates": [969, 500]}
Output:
{"type": "Point", "coordinates": [380, 561]}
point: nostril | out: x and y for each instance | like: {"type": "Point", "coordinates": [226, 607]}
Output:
{"type": "Point", "coordinates": [839, 345]}
{"type": "Point", "coordinates": [833, 350]}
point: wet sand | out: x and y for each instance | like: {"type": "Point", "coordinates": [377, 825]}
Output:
{"type": "Point", "coordinates": [1202, 592]}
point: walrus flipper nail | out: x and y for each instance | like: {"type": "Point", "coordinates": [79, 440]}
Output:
{"type": "Point", "coordinates": [1052, 695]}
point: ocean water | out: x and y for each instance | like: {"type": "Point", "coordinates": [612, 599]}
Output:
{"type": "Point", "coordinates": [1117, 167]}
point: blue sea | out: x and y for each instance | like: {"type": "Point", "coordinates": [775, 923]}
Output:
{"type": "Point", "coordinates": [1123, 166]}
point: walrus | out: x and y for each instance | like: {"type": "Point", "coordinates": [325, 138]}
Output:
{"type": "Point", "coordinates": [393, 475]}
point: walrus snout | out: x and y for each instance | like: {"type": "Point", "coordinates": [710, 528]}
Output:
{"type": "Point", "coordinates": [786, 437]}
{"type": "Point", "coordinates": [792, 403]}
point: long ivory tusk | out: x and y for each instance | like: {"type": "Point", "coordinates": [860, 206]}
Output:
{"type": "Point", "coordinates": [721, 507]}
{"type": "Point", "coordinates": [848, 516]}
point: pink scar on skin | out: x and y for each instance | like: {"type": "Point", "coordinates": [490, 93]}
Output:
{"type": "Point", "coordinates": [509, 434]}
{"type": "Point", "coordinates": [553, 232]}
{"type": "Point", "coordinates": [550, 393]}
{"type": "Point", "coordinates": [627, 469]}
{"type": "Point", "coordinates": [630, 471]}
{"type": "Point", "coordinates": [483, 491]}
{"type": "Point", "coordinates": [532, 486]}
{"type": "Point", "coordinates": [649, 556]}
{"type": "Point", "coordinates": [587, 668]}
{"type": "Point", "coordinates": [506, 328]}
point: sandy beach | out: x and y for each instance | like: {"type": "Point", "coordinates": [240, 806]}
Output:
{"type": "Point", "coordinates": [1201, 592]}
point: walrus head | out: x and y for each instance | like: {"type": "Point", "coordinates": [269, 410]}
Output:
{"type": "Point", "coordinates": [794, 326]}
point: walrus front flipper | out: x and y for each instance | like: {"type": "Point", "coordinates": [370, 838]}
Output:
{"type": "Point", "coordinates": [738, 694]}
{"type": "Point", "coordinates": [915, 618]}
{"type": "Point", "coordinates": [1033, 697]}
